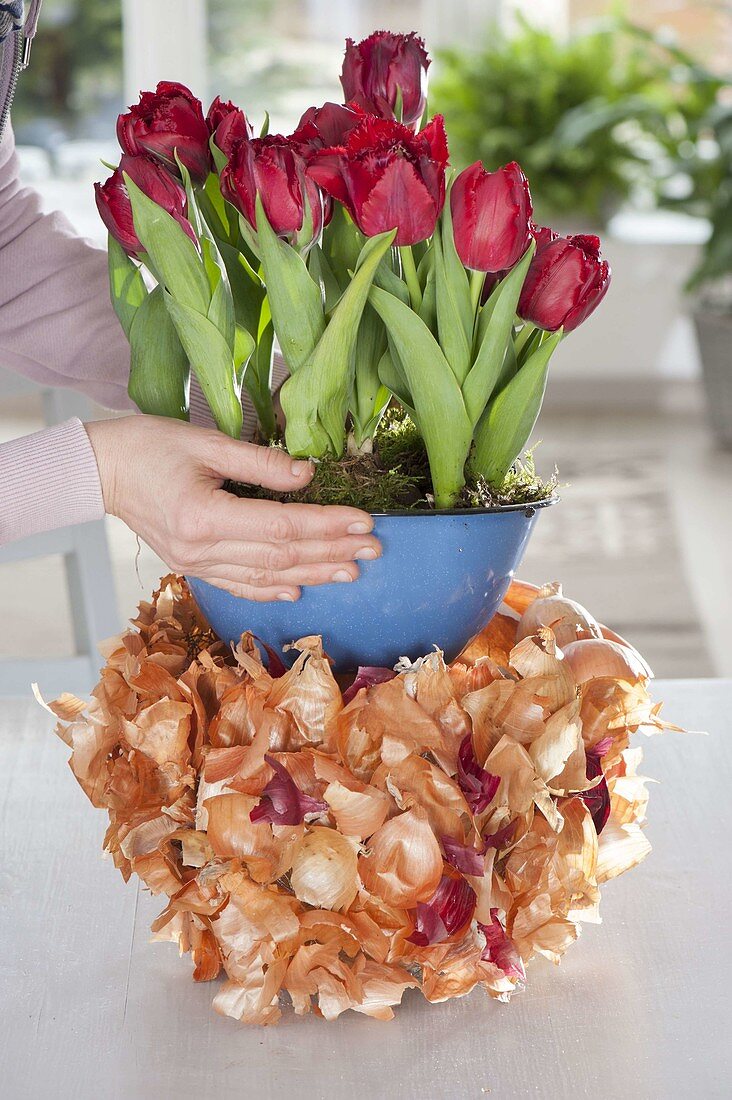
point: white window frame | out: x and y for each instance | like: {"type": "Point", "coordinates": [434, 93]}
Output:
{"type": "Point", "coordinates": [164, 40]}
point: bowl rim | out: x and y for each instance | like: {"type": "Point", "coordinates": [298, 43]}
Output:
{"type": "Point", "coordinates": [529, 508]}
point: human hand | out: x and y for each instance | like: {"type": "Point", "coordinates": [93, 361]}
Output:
{"type": "Point", "coordinates": [164, 479]}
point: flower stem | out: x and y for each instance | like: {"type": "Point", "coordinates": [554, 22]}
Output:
{"type": "Point", "coordinates": [523, 337]}
{"type": "Point", "coordinates": [409, 270]}
{"type": "Point", "coordinates": [477, 282]}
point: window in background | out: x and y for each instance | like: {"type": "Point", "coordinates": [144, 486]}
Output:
{"type": "Point", "coordinates": [66, 105]}
{"type": "Point", "coordinates": [283, 55]}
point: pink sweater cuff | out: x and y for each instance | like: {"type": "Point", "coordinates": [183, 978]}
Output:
{"type": "Point", "coordinates": [48, 480]}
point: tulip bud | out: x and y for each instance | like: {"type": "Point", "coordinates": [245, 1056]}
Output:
{"type": "Point", "coordinates": [491, 214]}
{"type": "Point", "coordinates": [388, 177]}
{"type": "Point", "coordinates": [113, 202]}
{"type": "Point", "coordinates": [273, 167]}
{"type": "Point", "coordinates": [566, 281]}
{"type": "Point", "coordinates": [383, 68]}
{"type": "Point", "coordinates": [323, 127]}
{"type": "Point", "coordinates": [165, 122]}
{"type": "Point", "coordinates": [228, 124]}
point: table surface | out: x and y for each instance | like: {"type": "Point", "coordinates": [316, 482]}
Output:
{"type": "Point", "coordinates": [638, 1008]}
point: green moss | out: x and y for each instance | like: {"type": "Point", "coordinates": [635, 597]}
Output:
{"type": "Point", "coordinates": [522, 485]}
{"type": "Point", "coordinates": [396, 477]}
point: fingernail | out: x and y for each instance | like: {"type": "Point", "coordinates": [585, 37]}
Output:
{"type": "Point", "coordinates": [366, 553]}
{"type": "Point", "coordinates": [359, 529]}
{"type": "Point", "coordinates": [342, 576]}
{"type": "Point", "coordinates": [299, 469]}
{"type": "Point", "coordinates": [287, 596]}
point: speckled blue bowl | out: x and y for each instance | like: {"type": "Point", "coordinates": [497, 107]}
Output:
{"type": "Point", "coordinates": [441, 578]}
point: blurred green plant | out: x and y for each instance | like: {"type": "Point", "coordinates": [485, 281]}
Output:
{"type": "Point", "coordinates": [77, 57]}
{"type": "Point", "coordinates": [593, 120]}
{"type": "Point", "coordinates": [713, 275]}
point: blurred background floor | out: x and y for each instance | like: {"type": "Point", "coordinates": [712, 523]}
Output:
{"type": "Point", "coordinates": [639, 537]}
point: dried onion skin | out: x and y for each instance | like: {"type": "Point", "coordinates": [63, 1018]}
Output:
{"type": "Point", "coordinates": [434, 829]}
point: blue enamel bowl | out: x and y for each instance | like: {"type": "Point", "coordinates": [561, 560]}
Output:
{"type": "Point", "coordinates": [440, 580]}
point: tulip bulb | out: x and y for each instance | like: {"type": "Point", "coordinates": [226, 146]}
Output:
{"type": "Point", "coordinates": [569, 621]}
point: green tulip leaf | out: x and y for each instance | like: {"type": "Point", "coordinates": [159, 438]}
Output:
{"type": "Point", "coordinates": [392, 376]}
{"type": "Point", "coordinates": [495, 336]}
{"type": "Point", "coordinates": [126, 285]}
{"type": "Point", "coordinates": [295, 300]}
{"type": "Point", "coordinates": [369, 397]}
{"type": "Point", "coordinates": [258, 377]}
{"type": "Point", "coordinates": [438, 401]}
{"type": "Point", "coordinates": [322, 273]}
{"type": "Point", "coordinates": [247, 290]}
{"type": "Point", "coordinates": [315, 397]}
{"type": "Point", "coordinates": [452, 291]}
{"type": "Point", "coordinates": [506, 426]}
{"type": "Point", "coordinates": [175, 258]}
{"type": "Point", "coordinates": [159, 368]}
{"type": "Point", "coordinates": [212, 361]}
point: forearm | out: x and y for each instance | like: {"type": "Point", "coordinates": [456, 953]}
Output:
{"type": "Point", "coordinates": [48, 480]}
{"type": "Point", "coordinates": [57, 326]}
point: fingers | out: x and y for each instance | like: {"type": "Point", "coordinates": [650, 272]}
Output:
{"type": "Point", "coordinates": [289, 555]}
{"type": "Point", "coordinates": [269, 521]}
{"type": "Point", "coordinates": [319, 573]}
{"type": "Point", "coordinates": [258, 595]}
{"type": "Point", "coordinates": [270, 467]}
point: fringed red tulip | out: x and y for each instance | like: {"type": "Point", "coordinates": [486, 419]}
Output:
{"type": "Point", "coordinates": [272, 167]}
{"type": "Point", "coordinates": [113, 202]}
{"type": "Point", "coordinates": [167, 122]}
{"type": "Point", "coordinates": [384, 68]}
{"type": "Point", "coordinates": [326, 126]}
{"type": "Point", "coordinates": [227, 124]}
{"type": "Point", "coordinates": [387, 177]}
{"type": "Point", "coordinates": [566, 282]}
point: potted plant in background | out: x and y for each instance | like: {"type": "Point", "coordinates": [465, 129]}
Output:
{"type": "Point", "coordinates": [609, 120]}
{"type": "Point", "coordinates": [712, 282]}
{"type": "Point", "coordinates": [417, 313]}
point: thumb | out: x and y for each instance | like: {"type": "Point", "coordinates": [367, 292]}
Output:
{"type": "Point", "coordinates": [270, 467]}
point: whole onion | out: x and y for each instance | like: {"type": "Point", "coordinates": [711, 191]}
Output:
{"type": "Point", "coordinates": [568, 620]}
{"type": "Point", "coordinates": [593, 658]}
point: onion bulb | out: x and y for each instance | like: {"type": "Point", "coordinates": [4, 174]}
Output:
{"type": "Point", "coordinates": [568, 620]}
{"type": "Point", "coordinates": [592, 658]}
{"type": "Point", "coordinates": [325, 870]}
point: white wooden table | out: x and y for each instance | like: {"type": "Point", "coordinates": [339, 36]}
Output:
{"type": "Point", "coordinates": [638, 1009]}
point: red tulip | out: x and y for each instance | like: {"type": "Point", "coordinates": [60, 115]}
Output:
{"type": "Point", "coordinates": [228, 124]}
{"type": "Point", "coordinates": [113, 202]}
{"type": "Point", "coordinates": [164, 122]}
{"type": "Point", "coordinates": [381, 67]}
{"type": "Point", "coordinates": [388, 177]}
{"type": "Point", "coordinates": [273, 167]}
{"type": "Point", "coordinates": [322, 127]}
{"type": "Point", "coordinates": [491, 215]}
{"type": "Point", "coordinates": [566, 281]}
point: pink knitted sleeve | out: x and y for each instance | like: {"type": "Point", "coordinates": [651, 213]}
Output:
{"type": "Point", "coordinates": [48, 480]}
{"type": "Point", "coordinates": [58, 329]}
